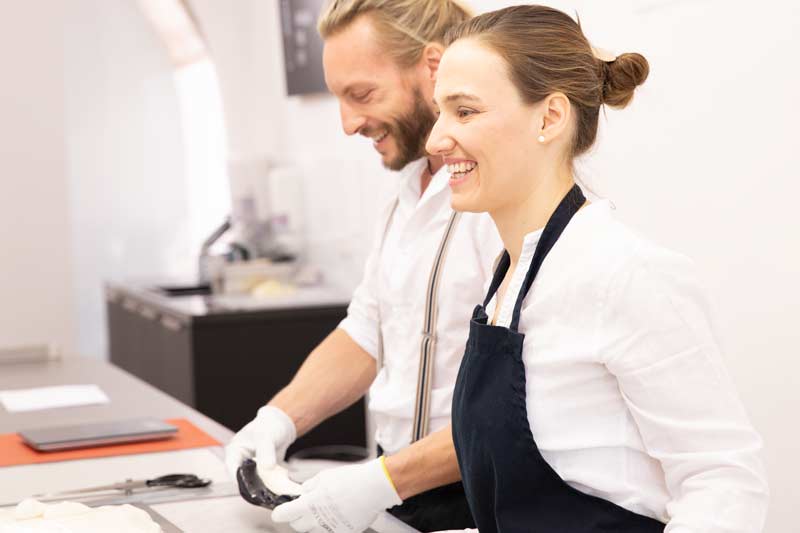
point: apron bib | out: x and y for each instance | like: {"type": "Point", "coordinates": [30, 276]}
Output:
{"type": "Point", "coordinates": [510, 487]}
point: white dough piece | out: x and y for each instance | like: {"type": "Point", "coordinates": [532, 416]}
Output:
{"type": "Point", "coordinates": [31, 516]}
{"type": "Point", "coordinates": [29, 508]}
{"type": "Point", "coordinates": [65, 509]}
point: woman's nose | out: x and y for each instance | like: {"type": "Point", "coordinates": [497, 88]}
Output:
{"type": "Point", "coordinates": [439, 142]}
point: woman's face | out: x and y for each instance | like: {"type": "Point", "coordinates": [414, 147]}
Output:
{"type": "Point", "coordinates": [485, 132]}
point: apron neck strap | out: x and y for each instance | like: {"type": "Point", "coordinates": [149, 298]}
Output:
{"type": "Point", "coordinates": [569, 205]}
{"type": "Point", "coordinates": [499, 273]}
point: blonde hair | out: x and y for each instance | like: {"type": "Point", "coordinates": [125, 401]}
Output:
{"type": "Point", "coordinates": [404, 27]}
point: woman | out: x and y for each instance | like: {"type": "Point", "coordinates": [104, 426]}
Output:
{"type": "Point", "coordinates": [592, 396]}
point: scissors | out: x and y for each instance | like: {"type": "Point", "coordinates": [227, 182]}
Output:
{"type": "Point", "coordinates": [127, 487]}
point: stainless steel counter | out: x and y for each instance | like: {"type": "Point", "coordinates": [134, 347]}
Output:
{"type": "Point", "coordinates": [130, 397]}
{"type": "Point", "coordinates": [140, 296]}
{"type": "Point", "coordinates": [215, 509]}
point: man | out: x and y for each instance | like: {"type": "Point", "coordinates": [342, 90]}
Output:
{"type": "Point", "coordinates": [380, 60]}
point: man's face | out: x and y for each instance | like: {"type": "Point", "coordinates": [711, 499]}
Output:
{"type": "Point", "coordinates": [377, 99]}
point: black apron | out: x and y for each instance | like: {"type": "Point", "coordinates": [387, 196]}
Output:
{"type": "Point", "coordinates": [509, 485]}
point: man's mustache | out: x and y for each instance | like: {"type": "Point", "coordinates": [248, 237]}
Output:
{"type": "Point", "coordinates": [371, 131]}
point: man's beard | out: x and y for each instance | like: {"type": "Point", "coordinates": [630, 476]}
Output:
{"type": "Point", "coordinates": [410, 132]}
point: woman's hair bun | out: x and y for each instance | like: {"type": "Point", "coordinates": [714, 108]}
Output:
{"type": "Point", "coordinates": [621, 76]}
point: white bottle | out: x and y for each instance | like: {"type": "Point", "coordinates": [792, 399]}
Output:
{"type": "Point", "coordinates": [286, 213]}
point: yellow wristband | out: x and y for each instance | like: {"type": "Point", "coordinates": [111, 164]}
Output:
{"type": "Point", "coordinates": [386, 472]}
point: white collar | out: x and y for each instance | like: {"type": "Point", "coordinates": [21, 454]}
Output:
{"type": "Point", "coordinates": [409, 180]}
{"type": "Point", "coordinates": [597, 208]}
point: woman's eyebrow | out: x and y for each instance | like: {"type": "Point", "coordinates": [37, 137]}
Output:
{"type": "Point", "coordinates": [459, 96]}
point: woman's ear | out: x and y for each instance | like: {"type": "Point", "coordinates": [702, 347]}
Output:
{"type": "Point", "coordinates": [554, 117]}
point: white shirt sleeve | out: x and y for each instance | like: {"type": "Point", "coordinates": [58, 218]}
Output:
{"type": "Point", "coordinates": [656, 338]}
{"type": "Point", "coordinates": [362, 320]}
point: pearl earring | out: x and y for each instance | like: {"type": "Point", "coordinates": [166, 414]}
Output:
{"type": "Point", "coordinates": [541, 138]}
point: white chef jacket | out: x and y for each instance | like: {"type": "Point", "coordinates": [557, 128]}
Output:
{"type": "Point", "coordinates": [396, 279]}
{"type": "Point", "coordinates": [627, 395]}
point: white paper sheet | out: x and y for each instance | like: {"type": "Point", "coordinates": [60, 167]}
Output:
{"type": "Point", "coordinates": [21, 400]}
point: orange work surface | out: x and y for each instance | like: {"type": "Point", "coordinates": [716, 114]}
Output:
{"type": "Point", "coordinates": [13, 451]}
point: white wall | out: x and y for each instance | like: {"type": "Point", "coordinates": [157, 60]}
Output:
{"type": "Point", "coordinates": [35, 263]}
{"type": "Point", "coordinates": [130, 213]}
{"type": "Point", "coordinates": [94, 182]}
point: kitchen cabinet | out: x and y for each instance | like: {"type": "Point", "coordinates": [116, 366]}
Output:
{"type": "Point", "coordinates": [226, 356]}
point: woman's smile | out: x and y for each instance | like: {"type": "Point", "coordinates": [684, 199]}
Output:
{"type": "Point", "coordinates": [460, 170]}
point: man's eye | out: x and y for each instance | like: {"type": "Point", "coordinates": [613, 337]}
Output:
{"type": "Point", "coordinates": [362, 96]}
{"type": "Point", "coordinates": [464, 113]}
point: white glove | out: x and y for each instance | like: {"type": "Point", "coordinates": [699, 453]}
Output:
{"type": "Point", "coordinates": [264, 439]}
{"type": "Point", "coordinates": [346, 499]}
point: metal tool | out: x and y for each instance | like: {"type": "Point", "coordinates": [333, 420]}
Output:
{"type": "Point", "coordinates": [127, 487]}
